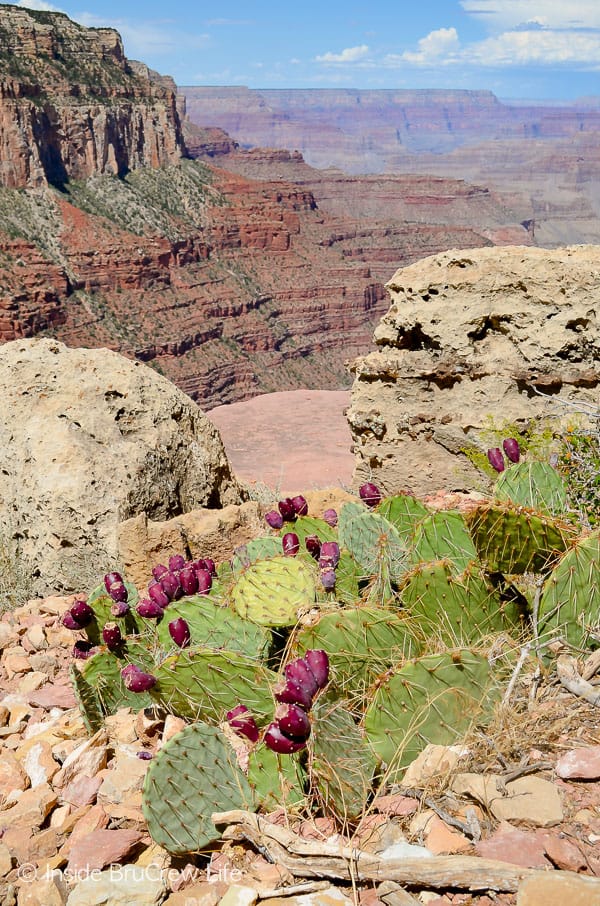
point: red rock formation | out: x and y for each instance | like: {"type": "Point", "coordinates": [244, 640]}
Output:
{"type": "Point", "coordinates": [55, 123]}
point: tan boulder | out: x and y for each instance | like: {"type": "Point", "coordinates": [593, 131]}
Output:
{"type": "Point", "coordinates": [471, 334]}
{"type": "Point", "coordinates": [91, 439]}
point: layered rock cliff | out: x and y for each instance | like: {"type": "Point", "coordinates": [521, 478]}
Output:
{"type": "Point", "coordinates": [72, 105]}
{"type": "Point", "coordinates": [470, 334]}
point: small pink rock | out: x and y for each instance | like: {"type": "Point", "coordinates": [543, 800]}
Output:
{"type": "Point", "coordinates": [508, 844]}
{"type": "Point", "coordinates": [580, 764]}
{"type": "Point", "coordinates": [565, 855]}
{"type": "Point", "coordinates": [53, 695]}
{"type": "Point", "coordinates": [81, 791]}
{"type": "Point", "coordinates": [396, 804]}
{"type": "Point", "coordinates": [101, 848]}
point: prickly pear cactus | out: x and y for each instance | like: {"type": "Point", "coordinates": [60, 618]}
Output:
{"type": "Point", "coordinates": [274, 592]}
{"type": "Point", "coordinates": [434, 699]}
{"type": "Point", "coordinates": [276, 780]}
{"type": "Point", "coordinates": [570, 603]}
{"type": "Point", "coordinates": [310, 525]}
{"type": "Point", "coordinates": [100, 676]}
{"type": "Point", "coordinates": [458, 609]}
{"type": "Point", "coordinates": [533, 484]}
{"type": "Point", "coordinates": [212, 626]}
{"type": "Point", "coordinates": [443, 536]}
{"type": "Point", "coordinates": [203, 684]}
{"type": "Point", "coordinates": [101, 603]}
{"type": "Point", "coordinates": [512, 540]}
{"type": "Point", "coordinates": [194, 775]}
{"type": "Point", "coordinates": [257, 549]}
{"type": "Point", "coordinates": [341, 764]}
{"type": "Point", "coordinates": [89, 706]}
{"type": "Point", "coordinates": [404, 512]}
{"type": "Point", "coordinates": [362, 642]}
{"type": "Point", "coordinates": [374, 543]}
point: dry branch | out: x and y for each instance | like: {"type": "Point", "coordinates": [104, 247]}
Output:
{"type": "Point", "coordinates": [571, 679]}
{"type": "Point", "coordinates": [333, 859]}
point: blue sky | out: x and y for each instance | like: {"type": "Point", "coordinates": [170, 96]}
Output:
{"type": "Point", "coordinates": [515, 48]}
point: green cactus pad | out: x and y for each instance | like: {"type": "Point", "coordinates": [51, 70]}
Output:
{"type": "Point", "coordinates": [101, 603]}
{"type": "Point", "coordinates": [533, 484]}
{"type": "Point", "coordinates": [361, 643]}
{"type": "Point", "coordinates": [274, 592]}
{"type": "Point", "coordinates": [258, 549]}
{"type": "Point", "coordinates": [458, 609]}
{"type": "Point", "coordinates": [203, 684]}
{"type": "Point", "coordinates": [86, 698]}
{"type": "Point", "coordinates": [405, 512]}
{"type": "Point", "coordinates": [375, 544]}
{"type": "Point", "coordinates": [275, 780]}
{"type": "Point", "coordinates": [310, 525]}
{"type": "Point", "coordinates": [570, 603]}
{"type": "Point", "coordinates": [213, 626]}
{"type": "Point", "coordinates": [101, 673]}
{"type": "Point", "coordinates": [347, 583]}
{"type": "Point", "coordinates": [443, 536]}
{"type": "Point", "coordinates": [194, 775]}
{"type": "Point", "coordinates": [512, 540]}
{"type": "Point", "coordinates": [341, 764]}
{"type": "Point", "coordinates": [434, 699]}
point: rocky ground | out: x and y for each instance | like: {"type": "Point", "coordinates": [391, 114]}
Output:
{"type": "Point", "coordinates": [525, 795]}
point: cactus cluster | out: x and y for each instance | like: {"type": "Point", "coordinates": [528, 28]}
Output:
{"type": "Point", "coordinates": [388, 604]}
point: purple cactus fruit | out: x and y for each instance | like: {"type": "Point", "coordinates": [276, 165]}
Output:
{"type": "Point", "coordinates": [171, 586]}
{"type": "Point", "coordinates": [118, 592]}
{"type": "Point", "coordinates": [110, 579]}
{"type": "Point", "coordinates": [291, 692]}
{"type": "Point", "coordinates": [111, 636]}
{"type": "Point", "coordinates": [299, 671]}
{"type": "Point", "coordinates": [188, 580]}
{"type": "Point", "coordinates": [210, 565]}
{"type": "Point", "coordinates": [180, 632]}
{"type": "Point", "coordinates": [136, 680]}
{"type": "Point", "coordinates": [370, 494]}
{"type": "Point", "coordinates": [291, 544]}
{"type": "Point", "coordinates": [496, 459]}
{"type": "Point", "coordinates": [204, 578]}
{"type": "Point", "coordinates": [278, 742]}
{"type": "Point", "coordinates": [69, 621]}
{"type": "Point", "coordinates": [82, 613]}
{"type": "Point", "coordinates": [313, 546]}
{"type": "Point", "coordinates": [330, 552]}
{"type": "Point", "coordinates": [241, 720]}
{"type": "Point", "coordinates": [328, 577]}
{"type": "Point", "coordinates": [318, 661]}
{"type": "Point", "coordinates": [145, 755]}
{"type": "Point", "coordinates": [331, 517]}
{"type": "Point", "coordinates": [300, 505]}
{"type": "Point", "coordinates": [274, 519]}
{"type": "Point", "coordinates": [159, 570]}
{"type": "Point", "coordinates": [293, 721]}
{"type": "Point", "coordinates": [157, 594]}
{"type": "Point", "coordinates": [82, 650]}
{"type": "Point", "coordinates": [287, 509]}
{"type": "Point", "coordinates": [176, 562]}
{"type": "Point", "coordinates": [119, 608]}
{"type": "Point", "coordinates": [511, 448]}
{"type": "Point", "coordinates": [149, 609]}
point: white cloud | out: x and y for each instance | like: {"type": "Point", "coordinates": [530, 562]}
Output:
{"type": "Point", "coordinates": [142, 39]}
{"type": "Point", "coordinates": [507, 14]}
{"type": "Point", "coordinates": [433, 47]}
{"type": "Point", "coordinates": [40, 5]}
{"type": "Point", "coordinates": [348, 55]}
{"type": "Point", "coordinates": [526, 48]}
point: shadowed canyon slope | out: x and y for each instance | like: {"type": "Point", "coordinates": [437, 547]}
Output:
{"type": "Point", "coordinates": [544, 157]}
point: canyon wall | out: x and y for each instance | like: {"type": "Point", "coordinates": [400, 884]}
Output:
{"type": "Point", "coordinates": [72, 105]}
{"type": "Point", "coordinates": [469, 334]}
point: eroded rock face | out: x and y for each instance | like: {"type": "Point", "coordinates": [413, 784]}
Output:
{"type": "Point", "coordinates": [72, 105]}
{"type": "Point", "coordinates": [472, 334]}
{"type": "Point", "coordinates": [91, 439]}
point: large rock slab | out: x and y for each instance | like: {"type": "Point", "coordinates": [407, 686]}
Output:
{"type": "Point", "coordinates": [90, 439]}
{"type": "Point", "coordinates": [471, 334]}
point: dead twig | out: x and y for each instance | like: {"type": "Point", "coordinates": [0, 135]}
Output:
{"type": "Point", "coordinates": [462, 826]}
{"type": "Point", "coordinates": [336, 859]}
{"type": "Point", "coordinates": [571, 679]}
